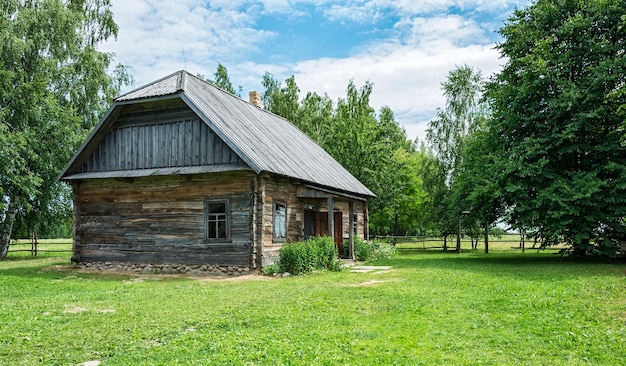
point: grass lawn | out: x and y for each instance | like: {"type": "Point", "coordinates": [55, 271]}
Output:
{"type": "Point", "coordinates": [431, 308]}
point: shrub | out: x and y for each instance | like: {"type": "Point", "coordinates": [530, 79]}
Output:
{"type": "Point", "coordinates": [336, 265]}
{"type": "Point", "coordinates": [372, 250]}
{"type": "Point", "coordinates": [324, 252]}
{"type": "Point", "coordinates": [293, 258]}
{"type": "Point", "coordinates": [270, 270]}
{"type": "Point", "coordinates": [306, 256]}
{"type": "Point", "coordinates": [362, 250]}
{"type": "Point", "coordinates": [382, 250]}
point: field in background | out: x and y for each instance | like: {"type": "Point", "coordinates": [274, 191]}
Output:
{"type": "Point", "coordinates": [504, 242]}
{"type": "Point", "coordinates": [504, 308]}
{"type": "Point", "coordinates": [61, 247]}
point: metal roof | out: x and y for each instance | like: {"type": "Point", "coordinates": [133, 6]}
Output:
{"type": "Point", "coordinates": [164, 86]}
{"type": "Point", "coordinates": [265, 141]}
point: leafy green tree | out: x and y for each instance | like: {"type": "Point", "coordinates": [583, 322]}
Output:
{"type": "Point", "coordinates": [401, 211]}
{"type": "Point", "coordinates": [49, 217]}
{"type": "Point", "coordinates": [440, 218]}
{"type": "Point", "coordinates": [315, 117]}
{"type": "Point", "coordinates": [448, 135]}
{"type": "Point", "coordinates": [477, 186]}
{"type": "Point", "coordinates": [374, 148]}
{"type": "Point", "coordinates": [281, 100]}
{"type": "Point", "coordinates": [222, 81]}
{"type": "Point", "coordinates": [53, 88]}
{"type": "Point", "coordinates": [556, 125]}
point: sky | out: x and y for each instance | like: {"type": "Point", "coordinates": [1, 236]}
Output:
{"type": "Point", "coordinates": [404, 47]}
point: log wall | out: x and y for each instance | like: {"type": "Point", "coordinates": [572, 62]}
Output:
{"type": "Point", "coordinates": [161, 219]}
{"type": "Point", "coordinates": [279, 189]}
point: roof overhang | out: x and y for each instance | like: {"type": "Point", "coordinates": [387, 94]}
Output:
{"type": "Point", "coordinates": [188, 170]}
{"type": "Point", "coordinates": [316, 192]}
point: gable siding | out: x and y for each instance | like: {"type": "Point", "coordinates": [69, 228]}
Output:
{"type": "Point", "coordinates": [174, 137]}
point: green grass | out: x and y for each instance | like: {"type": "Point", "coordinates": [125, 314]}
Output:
{"type": "Point", "coordinates": [505, 308]}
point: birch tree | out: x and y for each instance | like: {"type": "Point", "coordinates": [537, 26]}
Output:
{"type": "Point", "coordinates": [53, 87]}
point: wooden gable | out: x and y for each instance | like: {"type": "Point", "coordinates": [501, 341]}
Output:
{"type": "Point", "coordinates": [156, 135]}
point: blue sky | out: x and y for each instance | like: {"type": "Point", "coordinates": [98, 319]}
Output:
{"type": "Point", "coordinates": [404, 47]}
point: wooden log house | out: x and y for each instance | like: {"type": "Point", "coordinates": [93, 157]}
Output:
{"type": "Point", "coordinates": [181, 172]}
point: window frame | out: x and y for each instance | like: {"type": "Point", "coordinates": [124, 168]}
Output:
{"type": "Point", "coordinates": [275, 204]}
{"type": "Point", "coordinates": [227, 219]}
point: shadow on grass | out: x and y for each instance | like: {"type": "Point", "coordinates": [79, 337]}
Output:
{"type": "Point", "coordinates": [503, 263]}
{"type": "Point", "coordinates": [50, 268]}
{"type": "Point", "coordinates": [59, 267]}
{"type": "Point", "coordinates": [496, 263]}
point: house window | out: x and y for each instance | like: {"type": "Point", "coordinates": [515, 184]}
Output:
{"type": "Point", "coordinates": [280, 220]}
{"type": "Point", "coordinates": [217, 225]}
{"type": "Point", "coordinates": [355, 223]}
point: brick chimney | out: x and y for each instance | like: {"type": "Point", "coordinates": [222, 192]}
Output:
{"type": "Point", "coordinates": [255, 99]}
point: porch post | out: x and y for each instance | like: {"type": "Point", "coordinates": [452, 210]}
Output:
{"type": "Point", "coordinates": [366, 223]}
{"type": "Point", "coordinates": [331, 217]}
{"type": "Point", "coordinates": [351, 230]}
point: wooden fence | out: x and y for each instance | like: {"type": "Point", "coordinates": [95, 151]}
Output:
{"type": "Point", "coordinates": [34, 248]}
{"type": "Point", "coordinates": [509, 241]}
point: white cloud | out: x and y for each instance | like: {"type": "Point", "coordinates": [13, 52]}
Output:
{"type": "Point", "coordinates": [407, 79]}
{"type": "Point", "coordinates": [369, 10]}
{"type": "Point", "coordinates": [158, 37]}
{"type": "Point", "coordinates": [452, 29]}
{"type": "Point", "coordinates": [406, 68]}
{"type": "Point", "coordinates": [368, 13]}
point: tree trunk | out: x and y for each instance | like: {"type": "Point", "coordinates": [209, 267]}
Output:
{"type": "Point", "coordinates": [486, 238]}
{"type": "Point", "coordinates": [581, 250]}
{"type": "Point", "coordinates": [7, 227]}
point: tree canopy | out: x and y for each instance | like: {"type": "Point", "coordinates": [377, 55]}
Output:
{"type": "Point", "coordinates": [450, 176]}
{"type": "Point", "coordinates": [53, 87]}
{"type": "Point", "coordinates": [556, 130]}
{"type": "Point", "coordinates": [459, 118]}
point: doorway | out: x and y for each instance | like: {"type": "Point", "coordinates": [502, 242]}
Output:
{"type": "Point", "coordinates": [321, 229]}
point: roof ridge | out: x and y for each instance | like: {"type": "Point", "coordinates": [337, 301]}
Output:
{"type": "Point", "coordinates": [149, 84]}
{"type": "Point", "coordinates": [181, 83]}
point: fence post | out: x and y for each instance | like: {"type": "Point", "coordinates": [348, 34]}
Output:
{"type": "Point", "coordinates": [33, 245]}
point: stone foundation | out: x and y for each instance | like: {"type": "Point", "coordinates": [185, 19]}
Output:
{"type": "Point", "coordinates": [195, 269]}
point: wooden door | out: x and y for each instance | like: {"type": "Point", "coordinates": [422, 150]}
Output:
{"type": "Point", "coordinates": [321, 224]}
{"type": "Point", "coordinates": [309, 224]}
{"type": "Point", "coordinates": [321, 228]}
{"type": "Point", "coordinates": [339, 233]}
